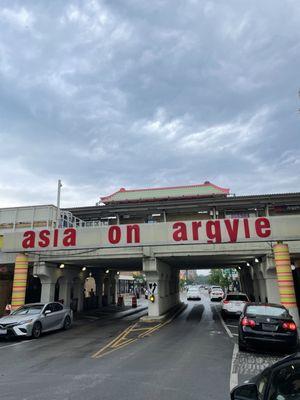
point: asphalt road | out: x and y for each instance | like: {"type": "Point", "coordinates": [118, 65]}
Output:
{"type": "Point", "coordinates": [189, 358]}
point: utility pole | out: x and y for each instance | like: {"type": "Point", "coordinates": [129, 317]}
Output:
{"type": "Point", "coordinates": [59, 185]}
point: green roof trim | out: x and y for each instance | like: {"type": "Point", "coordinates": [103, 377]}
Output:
{"type": "Point", "coordinates": [165, 193]}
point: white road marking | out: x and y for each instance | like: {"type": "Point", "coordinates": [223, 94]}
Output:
{"type": "Point", "coordinates": [225, 326]}
{"type": "Point", "coordinates": [11, 345]}
{"type": "Point", "coordinates": [232, 326]}
{"type": "Point", "coordinates": [234, 378]}
{"type": "Point", "coordinates": [235, 334]}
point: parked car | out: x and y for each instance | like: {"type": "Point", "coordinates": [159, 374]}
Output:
{"type": "Point", "coordinates": [233, 304]}
{"type": "Point", "coordinates": [194, 293]}
{"type": "Point", "coordinates": [33, 319]}
{"type": "Point", "coordinates": [267, 324]}
{"type": "Point", "coordinates": [281, 381]}
{"type": "Point", "coordinates": [216, 293]}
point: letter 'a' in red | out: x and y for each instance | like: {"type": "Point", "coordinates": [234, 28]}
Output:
{"type": "Point", "coordinates": [70, 237]}
{"type": "Point", "coordinates": [180, 232]}
{"type": "Point", "coordinates": [28, 240]}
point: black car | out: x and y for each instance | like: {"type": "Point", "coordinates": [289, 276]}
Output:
{"type": "Point", "coordinates": [267, 325]}
{"type": "Point", "coordinates": [281, 381]}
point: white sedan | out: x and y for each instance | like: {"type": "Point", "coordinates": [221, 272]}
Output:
{"type": "Point", "coordinates": [233, 304]}
{"type": "Point", "coordinates": [193, 293]}
{"type": "Point", "coordinates": [216, 293]}
{"type": "Point", "coordinates": [35, 319]}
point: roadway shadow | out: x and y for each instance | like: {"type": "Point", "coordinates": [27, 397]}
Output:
{"type": "Point", "coordinates": [196, 313]}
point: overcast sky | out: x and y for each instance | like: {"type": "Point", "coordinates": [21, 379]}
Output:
{"type": "Point", "coordinates": [140, 93]}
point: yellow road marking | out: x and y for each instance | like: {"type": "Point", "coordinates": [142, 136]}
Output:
{"type": "Point", "coordinates": [122, 339]}
{"type": "Point", "coordinates": [112, 350]}
{"type": "Point", "coordinates": [111, 342]}
{"type": "Point", "coordinates": [115, 346]}
{"type": "Point", "coordinates": [149, 331]}
{"type": "Point", "coordinates": [139, 329]}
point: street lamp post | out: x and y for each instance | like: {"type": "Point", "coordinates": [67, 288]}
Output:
{"type": "Point", "coordinates": [59, 185]}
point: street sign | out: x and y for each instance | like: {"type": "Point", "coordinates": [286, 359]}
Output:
{"type": "Point", "coordinates": [152, 287]}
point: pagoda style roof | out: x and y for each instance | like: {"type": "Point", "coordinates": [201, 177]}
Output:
{"type": "Point", "coordinates": [206, 189]}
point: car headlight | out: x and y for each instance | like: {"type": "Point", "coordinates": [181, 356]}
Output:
{"type": "Point", "coordinates": [25, 321]}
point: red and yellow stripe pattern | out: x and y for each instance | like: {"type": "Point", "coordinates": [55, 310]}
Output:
{"type": "Point", "coordinates": [284, 275]}
{"type": "Point", "coordinates": [20, 281]}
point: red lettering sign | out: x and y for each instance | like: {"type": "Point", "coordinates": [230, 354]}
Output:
{"type": "Point", "coordinates": [196, 225]}
{"type": "Point", "coordinates": [28, 240]}
{"type": "Point", "coordinates": [262, 227]}
{"type": "Point", "coordinates": [180, 232]}
{"type": "Point", "coordinates": [133, 230]}
{"type": "Point", "coordinates": [114, 234]}
{"type": "Point", "coordinates": [204, 231]}
{"type": "Point", "coordinates": [70, 237]}
{"type": "Point", "coordinates": [246, 228]}
{"type": "Point", "coordinates": [232, 226]}
{"type": "Point", "coordinates": [213, 232]}
{"type": "Point", "coordinates": [44, 238]}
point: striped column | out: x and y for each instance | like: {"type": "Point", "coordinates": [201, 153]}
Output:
{"type": "Point", "coordinates": [285, 278]}
{"type": "Point", "coordinates": [20, 281]}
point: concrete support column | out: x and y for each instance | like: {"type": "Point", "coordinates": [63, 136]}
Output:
{"type": "Point", "coordinates": [65, 291]}
{"type": "Point", "coordinates": [272, 289]}
{"type": "Point", "coordinates": [285, 279]}
{"type": "Point", "coordinates": [20, 281]}
{"type": "Point", "coordinates": [106, 287]}
{"type": "Point", "coordinates": [47, 293]}
{"type": "Point", "coordinates": [113, 288]}
{"type": "Point", "coordinates": [78, 291]}
{"type": "Point", "coordinates": [48, 275]}
{"type": "Point", "coordinates": [262, 288]}
{"type": "Point", "coordinates": [165, 281]}
{"type": "Point", "coordinates": [271, 281]}
{"type": "Point", "coordinates": [256, 287]}
{"type": "Point", "coordinates": [99, 286]}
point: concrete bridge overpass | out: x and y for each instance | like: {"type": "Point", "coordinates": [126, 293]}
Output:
{"type": "Point", "coordinates": [158, 231]}
{"type": "Point", "coordinates": [160, 251]}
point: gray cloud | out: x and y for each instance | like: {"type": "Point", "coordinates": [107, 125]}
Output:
{"type": "Point", "coordinates": [106, 94]}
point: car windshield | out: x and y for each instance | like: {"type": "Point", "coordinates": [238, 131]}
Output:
{"type": "Point", "coordinates": [236, 297]}
{"type": "Point", "coordinates": [28, 310]}
{"type": "Point", "coordinates": [267, 310]}
{"type": "Point", "coordinates": [193, 290]}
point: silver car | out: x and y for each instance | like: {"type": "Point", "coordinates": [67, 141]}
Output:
{"type": "Point", "coordinates": [33, 319]}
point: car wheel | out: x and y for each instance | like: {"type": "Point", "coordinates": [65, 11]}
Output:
{"type": "Point", "coordinates": [224, 316]}
{"type": "Point", "coordinates": [67, 323]}
{"type": "Point", "coordinates": [36, 330]}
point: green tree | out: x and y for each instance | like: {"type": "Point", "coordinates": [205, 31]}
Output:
{"type": "Point", "coordinates": [216, 277]}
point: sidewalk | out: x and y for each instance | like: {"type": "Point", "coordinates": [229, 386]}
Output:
{"type": "Point", "coordinates": [112, 312]}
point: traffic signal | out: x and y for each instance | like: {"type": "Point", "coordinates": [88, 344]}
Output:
{"type": "Point", "coordinates": [152, 298]}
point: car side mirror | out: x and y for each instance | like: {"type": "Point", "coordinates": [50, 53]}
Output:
{"type": "Point", "coordinates": [47, 312]}
{"type": "Point", "coordinates": [248, 391]}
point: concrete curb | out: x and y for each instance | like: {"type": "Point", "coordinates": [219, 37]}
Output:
{"type": "Point", "coordinates": [169, 315]}
{"type": "Point", "coordinates": [122, 314]}
{"type": "Point", "coordinates": [113, 316]}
